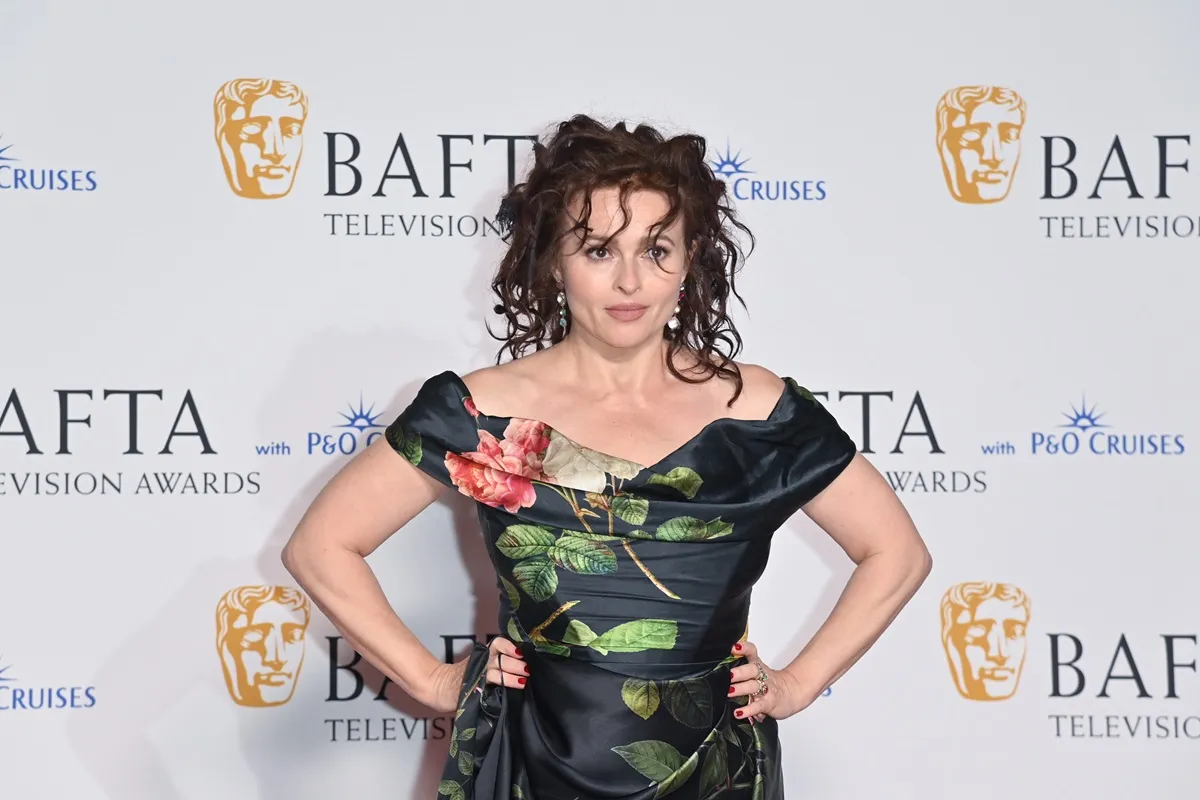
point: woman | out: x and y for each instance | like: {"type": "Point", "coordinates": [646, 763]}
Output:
{"type": "Point", "coordinates": [628, 479]}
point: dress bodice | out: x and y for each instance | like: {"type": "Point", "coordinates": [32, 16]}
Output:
{"type": "Point", "coordinates": [627, 584]}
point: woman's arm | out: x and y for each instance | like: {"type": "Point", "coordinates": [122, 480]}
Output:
{"type": "Point", "coordinates": [372, 497]}
{"type": "Point", "coordinates": [861, 512]}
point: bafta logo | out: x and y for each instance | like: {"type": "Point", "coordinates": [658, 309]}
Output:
{"type": "Point", "coordinates": [979, 141]}
{"type": "Point", "coordinates": [983, 634]}
{"type": "Point", "coordinates": [260, 639]}
{"type": "Point", "coordinates": [260, 133]}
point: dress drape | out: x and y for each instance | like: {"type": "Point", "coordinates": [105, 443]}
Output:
{"type": "Point", "coordinates": [626, 587]}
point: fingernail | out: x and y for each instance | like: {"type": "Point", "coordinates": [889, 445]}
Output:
{"type": "Point", "coordinates": [521, 681]}
{"type": "Point", "coordinates": [518, 652]}
{"type": "Point", "coordinates": [731, 690]}
{"type": "Point", "coordinates": [739, 713]}
{"type": "Point", "coordinates": [526, 669]}
{"type": "Point", "coordinates": [737, 646]}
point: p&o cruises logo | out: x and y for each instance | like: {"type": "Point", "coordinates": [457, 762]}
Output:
{"type": "Point", "coordinates": [16, 695]}
{"type": "Point", "coordinates": [746, 184]}
{"type": "Point", "coordinates": [1086, 431]}
{"type": "Point", "coordinates": [360, 427]}
{"type": "Point", "coordinates": [18, 175]}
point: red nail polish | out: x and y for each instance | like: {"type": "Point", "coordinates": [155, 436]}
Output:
{"type": "Point", "coordinates": [518, 652]}
{"type": "Point", "coordinates": [526, 669]}
{"type": "Point", "coordinates": [739, 713]}
{"type": "Point", "coordinates": [521, 681]}
{"type": "Point", "coordinates": [731, 690]}
{"type": "Point", "coordinates": [737, 646]}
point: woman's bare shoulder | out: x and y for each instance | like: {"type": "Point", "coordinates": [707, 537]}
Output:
{"type": "Point", "coordinates": [761, 390]}
{"type": "Point", "coordinates": [499, 389]}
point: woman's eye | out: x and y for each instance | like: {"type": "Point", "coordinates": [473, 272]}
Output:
{"type": "Point", "coordinates": [598, 252]}
{"type": "Point", "coordinates": [657, 253]}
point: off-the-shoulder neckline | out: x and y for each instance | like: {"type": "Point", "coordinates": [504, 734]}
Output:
{"type": "Point", "coordinates": [789, 386]}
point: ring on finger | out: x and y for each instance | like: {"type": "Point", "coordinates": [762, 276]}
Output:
{"type": "Point", "coordinates": [500, 667]}
{"type": "Point", "coordinates": [761, 678]}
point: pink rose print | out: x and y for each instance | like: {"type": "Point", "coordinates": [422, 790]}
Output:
{"type": "Point", "coordinates": [490, 486]}
{"type": "Point", "coordinates": [471, 409]}
{"type": "Point", "coordinates": [500, 472]}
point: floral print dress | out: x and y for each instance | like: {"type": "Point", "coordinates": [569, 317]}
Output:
{"type": "Point", "coordinates": [626, 587]}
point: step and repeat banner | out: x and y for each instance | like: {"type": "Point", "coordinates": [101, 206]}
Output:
{"type": "Point", "coordinates": [237, 240]}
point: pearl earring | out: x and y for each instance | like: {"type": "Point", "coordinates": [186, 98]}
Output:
{"type": "Point", "coordinates": [673, 322]}
{"type": "Point", "coordinates": [562, 308]}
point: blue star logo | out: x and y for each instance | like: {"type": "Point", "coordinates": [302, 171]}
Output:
{"type": "Point", "coordinates": [728, 164]}
{"type": "Point", "coordinates": [4, 148]}
{"type": "Point", "coordinates": [1083, 418]}
{"type": "Point", "coordinates": [360, 418]}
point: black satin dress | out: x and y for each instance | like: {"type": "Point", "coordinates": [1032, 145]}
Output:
{"type": "Point", "coordinates": [626, 588]}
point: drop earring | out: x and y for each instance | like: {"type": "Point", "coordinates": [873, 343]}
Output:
{"type": "Point", "coordinates": [673, 322]}
{"type": "Point", "coordinates": [562, 307]}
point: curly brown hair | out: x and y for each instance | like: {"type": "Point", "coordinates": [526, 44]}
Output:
{"type": "Point", "coordinates": [581, 156]}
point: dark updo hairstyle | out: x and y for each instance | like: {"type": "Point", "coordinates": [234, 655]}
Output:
{"type": "Point", "coordinates": [582, 156]}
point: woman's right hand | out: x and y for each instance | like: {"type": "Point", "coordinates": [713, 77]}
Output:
{"type": "Point", "coordinates": [505, 667]}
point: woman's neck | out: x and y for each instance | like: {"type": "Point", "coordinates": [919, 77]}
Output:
{"type": "Point", "coordinates": [629, 370]}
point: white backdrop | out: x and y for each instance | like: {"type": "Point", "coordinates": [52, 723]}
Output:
{"type": "Point", "coordinates": [266, 324]}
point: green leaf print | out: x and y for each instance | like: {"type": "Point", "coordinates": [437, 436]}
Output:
{"type": "Point", "coordinates": [638, 636]}
{"type": "Point", "coordinates": [452, 790]}
{"type": "Point", "coordinates": [641, 696]}
{"type": "Point", "coordinates": [631, 509]}
{"type": "Point", "coordinates": [514, 597]}
{"type": "Point", "coordinates": [537, 577]}
{"type": "Point", "coordinates": [583, 556]}
{"type": "Point", "coordinates": [654, 759]}
{"type": "Point", "coordinates": [525, 541]}
{"type": "Point", "coordinates": [466, 762]}
{"type": "Point", "coordinates": [517, 793]}
{"type": "Point", "coordinates": [679, 776]}
{"type": "Point", "coordinates": [591, 537]}
{"type": "Point", "coordinates": [640, 535]}
{"type": "Point", "coordinates": [715, 772]}
{"type": "Point", "coordinates": [690, 529]}
{"type": "Point", "coordinates": [514, 633]}
{"type": "Point", "coordinates": [758, 788]}
{"type": "Point", "coordinates": [684, 480]}
{"type": "Point", "coordinates": [453, 742]}
{"type": "Point", "coordinates": [412, 448]}
{"type": "Point", "coordinates": [407, 444]}
{"type": "Point", "coordinates": [727, 732]}
{"type": "Point", "coordinates": [690, 702]}
{"type": "Point", "coordinates": [578, 633]}
{"type": "Point", "coordinates": [544, 645]}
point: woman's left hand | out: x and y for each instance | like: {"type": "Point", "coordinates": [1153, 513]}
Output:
{"type": "Point", "coordinates": [784, 695]}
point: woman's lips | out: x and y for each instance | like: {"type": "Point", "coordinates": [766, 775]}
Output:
{"type": "Point", "coordinates": [626, 312]}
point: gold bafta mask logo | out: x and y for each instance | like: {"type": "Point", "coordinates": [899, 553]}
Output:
{"type": "Point", "coordinates": [983, 634]}
{"type": "Point", "coordinates": [260, 133]}
{"type": "Point", "coordinates": [979, 141]}
{"type": "Point", "coordinates": [260, 638]}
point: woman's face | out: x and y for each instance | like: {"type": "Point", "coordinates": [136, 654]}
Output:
{"type": "Point", "coordinates": [622, 291]}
